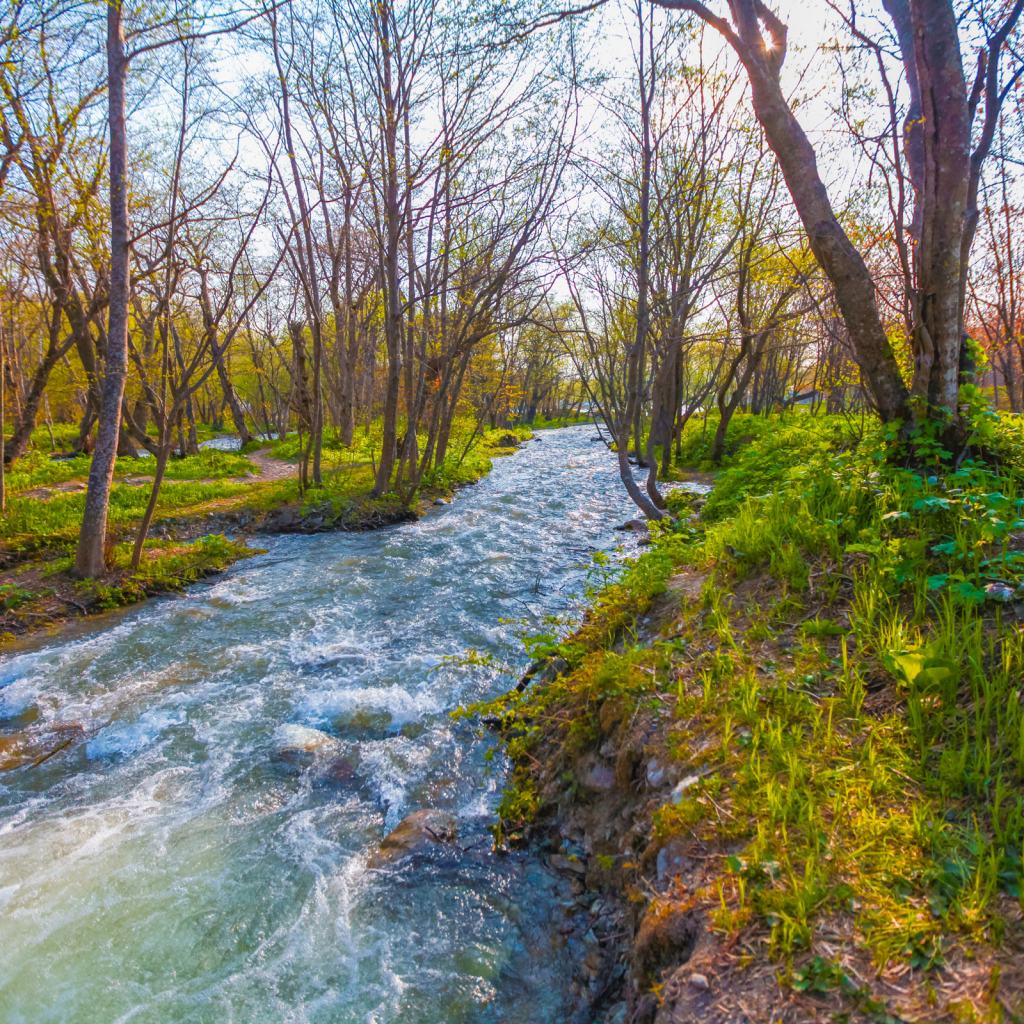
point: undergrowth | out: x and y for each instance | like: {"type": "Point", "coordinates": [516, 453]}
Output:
{"type": "Point", "coordinates": [36, 469]}
{"type": "Point", "coordinates": [844, 698]}
{"type": "Point", "coordinates": [60, 517]}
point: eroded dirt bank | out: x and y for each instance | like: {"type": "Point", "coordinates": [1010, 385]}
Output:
{"type": "Point", "coordinates": [630, 770]}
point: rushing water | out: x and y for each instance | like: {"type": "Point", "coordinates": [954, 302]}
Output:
{"type": "Point", "coordinates": [174, 868]}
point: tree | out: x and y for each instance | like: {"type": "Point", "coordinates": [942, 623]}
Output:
{"type": "Point", "coordinates": [997, 287]}
{"type": "Point", "coordinates": [944, 171]}
{"type": "Point", "coordinates": [89, 555]}
{"type": "Point", "coordinates": [768, 272]}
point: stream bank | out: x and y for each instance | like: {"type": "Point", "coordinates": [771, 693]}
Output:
{"type": "Point", "coordinates": [39, 593]}
{"type": "Point", "coordinates": [782, 755]}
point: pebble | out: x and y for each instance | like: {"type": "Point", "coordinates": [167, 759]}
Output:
{"type": "Point", "coordinates": [681, 787]}
{"type": "Point", "coordinates": [699, 981]}
{"type": "Point", "coordinates": [562, 863]}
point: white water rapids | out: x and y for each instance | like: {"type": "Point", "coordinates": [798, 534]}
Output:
{"type": "Point", "coordinates": [173, 869]}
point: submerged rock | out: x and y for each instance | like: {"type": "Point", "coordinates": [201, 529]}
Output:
{"type": "Point", "coordinates": [341, 770]}
{"type": "Point", "coordinates": [21, 719]}
{"type": "Point", "coordinates": [364, 723]}
{"type": "Point", "coordinates": [634, 526]}
{"type": "Point", "coordinates": [300, 745]}
{"type": "Point", "coordinates": [416, 834]}
{"type": "Point", "coordinates": [32, 747]}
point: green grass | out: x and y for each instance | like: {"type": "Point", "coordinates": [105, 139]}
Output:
{"type": "Point", "coordinates": [907, 818]}
{"type": "Point", "coordinates": [208, 464]}
{"type": "Point", "coordinates": [201, 484]}
{"type": "Point", "coordinates": [35, 468]}
{"type": "Point", "coordinates": [30, 523]}
{"type": "Point", "coordinates": [167, 566]}
{"type": "Point", "coordinates": [922, 807]}
{"type": "Point", "coordinates": [542, 423]}
{"type": "Point", "coordinates": [60, 518]}
{"type": "Point", "coordinates": [348, 470]}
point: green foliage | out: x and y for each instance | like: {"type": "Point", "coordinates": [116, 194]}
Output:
{"type": "Point", "coordinates": [183, 565]}
{"type": "Point", "coordinates": [13, 596]}
{"type": "Point", "coordinates": [778, 454]}
{"type": "Point", "coordinates": [911, 820]}
{"type": "Point", "coordinates": [209, 464]}
{"type": "Point", "coordinates": [821, 975]}
{"type": "Point", "coordinates": [29, 521]}
{"type": "Point", "coordinates": [541, 423]}
{"type": "Point", "coordinates": [349, 469]}
{"type": "Point", "coordinates": [698, 437]}
{"type": "Point", "coordinates": [36, 469]}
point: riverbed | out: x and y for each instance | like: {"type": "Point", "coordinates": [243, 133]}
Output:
{"type": "Point", "coordinates": [174, 868]}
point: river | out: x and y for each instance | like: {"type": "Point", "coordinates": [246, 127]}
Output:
{"type": "Point", "coordinates": [173, 868]}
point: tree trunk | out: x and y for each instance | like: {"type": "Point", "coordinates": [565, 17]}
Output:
{"type": "Point", "coordinates": [125, 448]}
{"type": "Point", "coordinates": [943, 202]}
{"type": "Point", "coordinates": [835, 253]}
{"type": "Point", "coordinates": [3, 440]}
{"type": "Point", "coordinates": [393, 223]}
{"type": "Point", "coordinates": [154, 494]}
{"type": "Point", "coordinates": [237, 415]}
{"type": "Point", "coordinates": [89, 560]}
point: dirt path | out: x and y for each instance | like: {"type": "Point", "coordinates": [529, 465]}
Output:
{"type": "Point", "coordinates": [272, 469]}
{"type": "Point", "coordinates": [269, 469]}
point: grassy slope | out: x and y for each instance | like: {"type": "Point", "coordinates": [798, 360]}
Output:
{"type": "Point", "coordinates": [829, 662]}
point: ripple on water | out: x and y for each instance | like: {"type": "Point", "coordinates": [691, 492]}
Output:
{"type": "Point", "coordinates": [174, 868]}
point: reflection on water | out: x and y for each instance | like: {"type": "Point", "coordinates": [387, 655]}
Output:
{"type": "Point", "coordinates": [175, 867]}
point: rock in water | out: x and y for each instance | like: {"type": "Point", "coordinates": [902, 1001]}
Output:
{"type": "Point", "coordinates": [32, 747]}
{"type": "Point", "coordinates": [415, 834]}
{"type": "Point", "coordinates": [300, 745]}
{"type": "Point", "coordinates": [634, 526]}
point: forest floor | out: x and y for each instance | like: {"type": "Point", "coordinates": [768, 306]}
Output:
{"type": "Point", "coordinates": [210, 508]}
{"type": "Point", "coordinates": [782, 758]}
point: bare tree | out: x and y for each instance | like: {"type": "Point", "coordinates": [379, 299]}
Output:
{"type": "Point", "coordinates": [943, 167]}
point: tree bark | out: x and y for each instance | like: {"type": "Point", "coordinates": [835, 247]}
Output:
{"type": "Point", "coordinates": [393, 222]}
{"type": "Point", "coordinates": [89, 561]}
{"type": "Point", "coordinates": [237, 415]}
{"type": "Point", "coordinates": [943, 202]}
